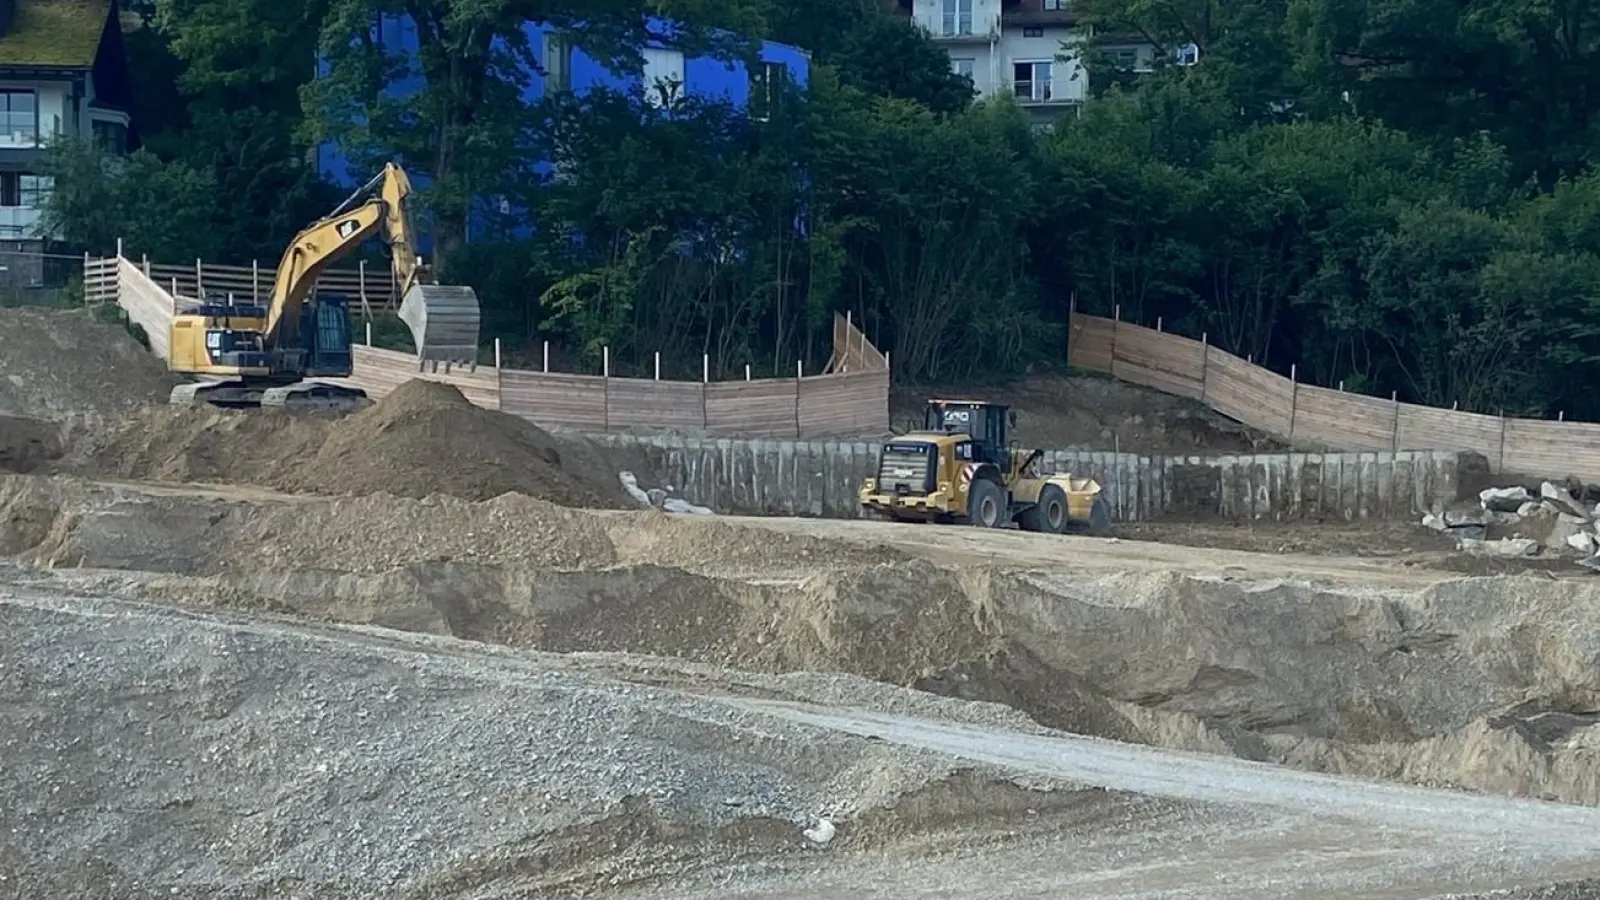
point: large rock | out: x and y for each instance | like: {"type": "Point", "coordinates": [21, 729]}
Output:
{"type": "Point", "coordinates": [1507, 499]}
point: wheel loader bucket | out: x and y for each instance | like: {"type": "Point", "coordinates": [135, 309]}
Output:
{"type": "Point", "coordinates": [444, 322]}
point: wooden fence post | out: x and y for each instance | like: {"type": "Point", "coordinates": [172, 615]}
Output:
{"type": "Point", "coordinates": [1205, 366]}
{"type": "Point", "coordinates": [1500, 464]}
{"type": "Point", "coordinates": [145, 264]}
{"type": "Point", "coordinates": [605, 382]}
{"type": "Point", "coordinates": [199, 280]}
{"type": "Point", "coordinates": [1294, 399]}
{"type": "Point", "coordinates": [97, 278]}
{"type": "Point", "coordinates": [1394, 442]}
{"type": "Point", "coordinates": [799, 381]}
{"type": "Point", "coordinates": [255, 281]}
{"type": "Point", "coordinates": [1116, 324]}
{"type": "Point", "coordinates": [705, 382]}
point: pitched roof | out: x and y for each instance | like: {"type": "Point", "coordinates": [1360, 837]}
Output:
{"type": "Point", "coordinates": [54, 33]}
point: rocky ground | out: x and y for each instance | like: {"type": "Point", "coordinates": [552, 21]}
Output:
{"type": "Point", "coordinates": [242, 663]}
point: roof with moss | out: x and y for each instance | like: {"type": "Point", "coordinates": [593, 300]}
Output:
{"type": "Point", "coordinates": [54, 33]}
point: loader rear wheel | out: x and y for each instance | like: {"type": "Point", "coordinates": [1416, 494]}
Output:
{"type": "Point", "coordinates": [1051, 513]}
{"type": "Point", "coordinates": [986, 504]}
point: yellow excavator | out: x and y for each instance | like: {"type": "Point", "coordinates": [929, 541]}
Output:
{"type": "Point", "coordinates": [252, 354]}
{"type": "Point", "coordinates": [959, 468]}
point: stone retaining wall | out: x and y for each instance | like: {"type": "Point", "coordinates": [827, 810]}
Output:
{"type": "Point", "coordinates": [820, 478]}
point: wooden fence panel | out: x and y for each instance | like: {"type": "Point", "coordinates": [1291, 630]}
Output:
{"type": "Point", "coordinates": [843, 404]}
{"type": "Point", "coordinates": [1428, 428]}
{"type": "Point", "coordinates": [1089, 343]}
{"type": "Point", "coordinates": [247, 284]}
{"type": "Point", "coordinates": [643, 403]}
{"type": "Point", "coordinates": [1552, 449]}
{"type": "Point", "coordinates": [100, 278]}
{"type": "Point", "coordinates": [379, 372]}
{"type": "Point", "coordinates": [1168, 363]}
{"type": "Point", "coordinates": [764, 408]}
{"type": "Point", "coordinates": [1341, 421]}
{"type": "Point", "coordinates": [568, 401]}
{"type": "Point", "coordinates": [1252, 395]}
{"type": "Point", "coordinates": [147, 305]}
{"type": "Point", "coordinates": [852, 352]}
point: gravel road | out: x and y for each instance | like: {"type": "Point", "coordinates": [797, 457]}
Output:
{"type": "Point", "coordinates": [1266, 833]}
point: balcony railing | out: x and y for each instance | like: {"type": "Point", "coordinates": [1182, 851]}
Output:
{"type": "Point", "coordinates": [962, 27]}
{"type": "Point", "coordinates": [18, 222]}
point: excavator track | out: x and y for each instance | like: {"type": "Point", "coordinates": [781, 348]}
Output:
{"type": "Point", "coordinates": [303, 395]}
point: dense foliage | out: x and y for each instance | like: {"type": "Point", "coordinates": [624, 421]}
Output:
{"type": "Point", "coordinates": [1399, 195]}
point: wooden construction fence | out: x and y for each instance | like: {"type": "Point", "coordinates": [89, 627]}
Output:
{"type": "Point", "coordinates": [850, 398]}
{"type": "Point", "coordinates": [1311, 417]}
{"type": "Point", "coordinates": [365, 287]}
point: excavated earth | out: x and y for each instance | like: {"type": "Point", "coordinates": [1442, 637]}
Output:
{"type": "Point", "coordinates": [425, 651]}
{"type": "Point", "coordinates": [1488, 684]}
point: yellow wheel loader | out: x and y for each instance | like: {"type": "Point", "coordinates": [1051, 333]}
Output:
{"type": "Point", "coordinates": [251, 355]}
{"type": "Point", "coordinates": [960, 468]}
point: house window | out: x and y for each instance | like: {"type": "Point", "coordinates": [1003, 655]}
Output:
{"type": "Point", "coordinates": [957, 17]}
{"type": "Point", "coordinates": [34, 190]}
{"type": "Point", "coordinates": [110, 137]}
{"type": "Point", "coordinates": [766, 83]}
{"type": "Point", "coordinates": [1055, 4]}
{"type": "Point", "coordinates": [663, 76]}
{"type": "Point", "coordinates": [19, 117]}
{"type": "Point", "coordinates": [557, 63]}
{"type": "Point", "coordinates": [1032, 31]}
{"type": "Point", "coordinates": [963, 67]}
{"type": "Point", "coordinates": [1124, 58]}
{"type": "Point", "coordinates": [1031, 81]}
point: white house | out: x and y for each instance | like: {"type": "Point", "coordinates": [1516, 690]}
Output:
{"type": "Point", "coordinates": [1015, 47]}
{"type": "Point", "coordinates": [62, 71]}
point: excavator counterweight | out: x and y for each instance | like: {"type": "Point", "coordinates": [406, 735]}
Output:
{"type": "Point", "coordinates": [251, 355]}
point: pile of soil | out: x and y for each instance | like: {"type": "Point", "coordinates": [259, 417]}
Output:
{"type": "Point", "coordinates": [424, 438]}
{"type": "Point", "coordinates": [27, 444]}
{"type": "Point", "coordinates": [62, 364]}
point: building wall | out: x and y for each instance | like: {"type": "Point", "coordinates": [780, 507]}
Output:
{"type": "Point", "coordinates": [700, 77]}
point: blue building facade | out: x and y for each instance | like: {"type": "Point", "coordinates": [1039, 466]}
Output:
{"type": "Point", "coordinates": [666, 73]}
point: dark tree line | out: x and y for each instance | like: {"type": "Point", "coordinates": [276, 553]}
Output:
{"type": "Point", "coordinates": [1395, 194]}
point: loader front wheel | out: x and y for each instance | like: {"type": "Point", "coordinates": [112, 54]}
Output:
{"type": "Point", "coordinates": [1051, 513]}
{"type": "Point", "coordinates": [986, 504]}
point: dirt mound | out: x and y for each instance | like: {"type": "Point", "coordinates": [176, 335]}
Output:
{"type": "Point", "coordinates": [424, 438]}
{"type": "Point", "coordinates": [27, 444]}
{"type": "Point", "coordinates": [64, 364]}
{"type": "Point", "coordinates": [1096, 413]}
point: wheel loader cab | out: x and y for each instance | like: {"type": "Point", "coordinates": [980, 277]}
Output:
{"type": "Point", "coordinates": [984, 422]}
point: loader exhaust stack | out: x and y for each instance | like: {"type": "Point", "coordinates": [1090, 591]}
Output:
{"type": "Point", "coordinates": [444, 322]}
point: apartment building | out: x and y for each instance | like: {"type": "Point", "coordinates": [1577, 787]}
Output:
{"type": "Point", "coordinates": [1020, 48]}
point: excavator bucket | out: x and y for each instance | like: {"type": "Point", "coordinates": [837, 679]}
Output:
{"type": "Point", "coordinates": [443, 321]}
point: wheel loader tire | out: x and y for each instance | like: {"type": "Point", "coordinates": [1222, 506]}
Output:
{"type": "Point", "coordinates": [1051, 513]}
{"type": "Point", "coordinates": [986, 504]}
{"type": "Point", "coordinates": [1100, 516]}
